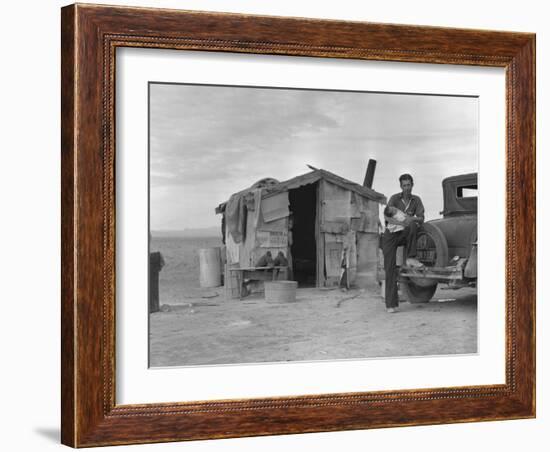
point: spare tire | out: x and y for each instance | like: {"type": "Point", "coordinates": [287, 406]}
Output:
{"type": "Point", "coordinates": [432, 251]}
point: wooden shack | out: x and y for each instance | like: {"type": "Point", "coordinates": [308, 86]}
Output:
{"type": "Point", "coordinates": [318, 220]}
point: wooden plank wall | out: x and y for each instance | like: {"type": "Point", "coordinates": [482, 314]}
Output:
{"type": "Point", "coordinates": [319, 237]}
{"type": "Point", "coordinates": [348, 220]}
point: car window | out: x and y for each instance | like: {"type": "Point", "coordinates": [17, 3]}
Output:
{"type": "Point", "coordinates": [466, 191]}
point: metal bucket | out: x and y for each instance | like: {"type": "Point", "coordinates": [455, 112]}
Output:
{"type": "Point", "coordinates": [210, 267]}
{"type": "Point", "coordinates": [280, 291]}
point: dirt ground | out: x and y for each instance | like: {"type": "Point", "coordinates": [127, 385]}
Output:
{"type": "Point", "coordinates": [320, 325]}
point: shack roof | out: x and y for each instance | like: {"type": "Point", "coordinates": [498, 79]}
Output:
{"type": "Point", "coordinates": [310, 178]}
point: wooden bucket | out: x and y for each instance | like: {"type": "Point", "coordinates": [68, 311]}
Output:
{"type": "Point", "coordinates": [280, 291]}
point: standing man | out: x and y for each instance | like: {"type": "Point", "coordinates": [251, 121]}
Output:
{"type": "Point", "coordinates": [400, 232]}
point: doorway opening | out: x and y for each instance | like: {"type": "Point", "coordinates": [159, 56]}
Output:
{"type": "Point", "coordinates": [303, 205]}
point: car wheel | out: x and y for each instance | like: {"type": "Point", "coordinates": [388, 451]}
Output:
{"type": "Point", "coordinates": [432, 250]}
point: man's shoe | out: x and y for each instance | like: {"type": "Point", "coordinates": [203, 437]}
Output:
{"type": "Point", "coordinates": [414, 263]}
{"type": "Point", "coordinates": [391, 310]}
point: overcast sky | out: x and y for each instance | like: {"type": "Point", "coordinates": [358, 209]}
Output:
{"type": "Point", "coordinates": [207, 142]}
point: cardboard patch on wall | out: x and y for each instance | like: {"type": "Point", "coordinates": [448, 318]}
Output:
{"type": "Point", "coordinates": [272, 239]}
{"type": "Point", "coordinates": [333, 258]}
{"type": "Point", "coordinates": [337, 209]}
{"type": "Point", "coordinates": [334, 227]}
{"type": "Point", "coordinates": [275, 207]}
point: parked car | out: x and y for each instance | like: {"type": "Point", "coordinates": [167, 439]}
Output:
{"type": "Point", "coordinates": [447, 246]}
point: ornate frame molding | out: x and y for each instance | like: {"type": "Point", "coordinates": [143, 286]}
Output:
{"type": "Point", "coordinates": [90, 37]}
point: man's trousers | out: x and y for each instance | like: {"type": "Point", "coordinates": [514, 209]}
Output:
{"type": "Point", "coordinates": [390, 242]}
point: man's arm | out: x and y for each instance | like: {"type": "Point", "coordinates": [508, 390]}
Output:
{"type": "Point", "coordinates": [418, 212]}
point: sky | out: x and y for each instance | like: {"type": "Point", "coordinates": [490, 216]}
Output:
{"type": "Point", "coordinates": [207, 142]}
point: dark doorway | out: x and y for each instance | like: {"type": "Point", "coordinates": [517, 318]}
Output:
{"type": "Point", "coordinates": [303, 205]}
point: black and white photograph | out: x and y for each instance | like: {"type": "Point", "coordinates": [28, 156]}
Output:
{"type": "Point", "coordinates": [238, 225]}
{"type": "Point", "coordinates": [290, 225]}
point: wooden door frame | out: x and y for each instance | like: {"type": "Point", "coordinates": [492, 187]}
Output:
{"type": "Point", "coordinates": [319, 236]}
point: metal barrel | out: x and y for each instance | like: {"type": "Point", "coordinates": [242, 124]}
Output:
{"type": "Point", "coordinates": [210, 267]}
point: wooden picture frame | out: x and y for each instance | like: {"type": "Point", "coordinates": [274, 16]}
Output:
{"type": "Point", "coordinates": [90, 36]}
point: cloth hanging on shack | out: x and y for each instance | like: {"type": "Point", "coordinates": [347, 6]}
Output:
{"type": "Point", "coordinates": [232, 250]}
{"type": "Point", "coordinates": [235, 217]}
{"type": "Point", "coordinates": [348, 260]}
{"type": "Point", "coordinates": [257, 197]}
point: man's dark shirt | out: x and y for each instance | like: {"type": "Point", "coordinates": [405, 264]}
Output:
{"type": "Point", "coordinates": [414, 207]}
